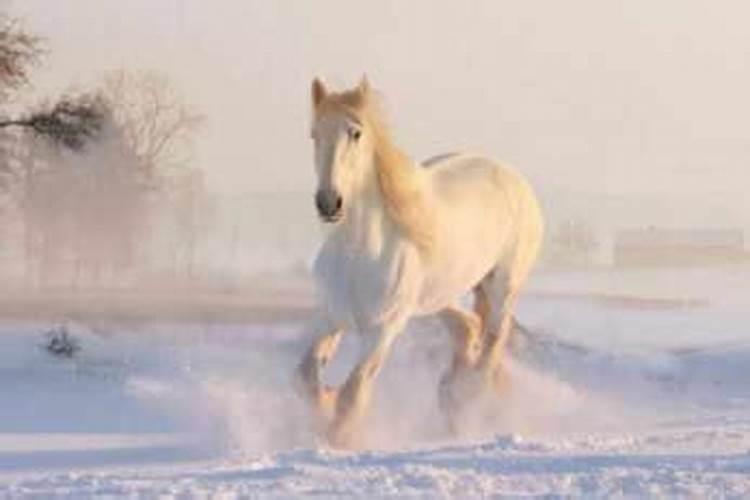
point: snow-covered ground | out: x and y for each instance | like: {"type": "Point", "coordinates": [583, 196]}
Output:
{"type": "Point", "coordinates": [609, 397]}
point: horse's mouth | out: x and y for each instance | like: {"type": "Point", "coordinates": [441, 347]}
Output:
{"type": "Point", "coordinates": [331, 219]}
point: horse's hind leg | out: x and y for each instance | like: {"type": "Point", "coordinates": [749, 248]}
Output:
{"type": "Point", "coordinates": [309, 371]}
{"type": "Point", "coordinates": [501, 287]}
{"type": "Point", "coordinates": [501, 292]}
{"type": "Point", "coordinates": [465, 328]}
{"type": "Point", "coordinates": [481, 306]}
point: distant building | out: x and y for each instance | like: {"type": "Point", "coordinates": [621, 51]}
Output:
{"type": "Point", "coordinates": [677, 247]}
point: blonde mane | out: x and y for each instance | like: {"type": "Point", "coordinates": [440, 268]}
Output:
{"type": "Point", "coordinates": [398, 179]}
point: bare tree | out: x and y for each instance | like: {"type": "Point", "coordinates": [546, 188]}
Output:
{"type": "Point", "coordinates": [191, 208]}
{"type": "Point", "coordinates": [157, 126]}
{"type": "Point", "coordinates": [71, 121]}
{"type": "Point", "coordinates": [19, 52]}
{"type": "Point", "coordinates": [29, 173]}
{"type": "Point", "coordinates": [79, 203]}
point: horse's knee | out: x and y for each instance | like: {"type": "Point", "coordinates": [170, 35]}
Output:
{"type": "Point", "coordinates": [327, 346]}
{"type": "Point", "coordinates": [307, 384]}
{"type": "Point", "coordinates": [307, 377]}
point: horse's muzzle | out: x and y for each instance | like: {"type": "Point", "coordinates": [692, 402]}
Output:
{"type": "Point", "coordinates": [329, 203]}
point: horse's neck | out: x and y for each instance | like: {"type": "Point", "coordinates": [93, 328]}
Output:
{"type": "Point", "coordinates": [367, 225]}
{"type": "Point", "coordinates": [390, 207]}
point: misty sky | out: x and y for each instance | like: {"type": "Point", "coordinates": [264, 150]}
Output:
{"type": "Point", "coordinates": [635, 97]}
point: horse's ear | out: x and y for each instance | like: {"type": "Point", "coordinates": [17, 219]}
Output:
{"type": "Point", "coordinates": [319, 92]}
{"type": "Point", "coordinates": [364, 86]}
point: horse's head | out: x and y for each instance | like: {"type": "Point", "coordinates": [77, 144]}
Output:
{"type": "Point", "coordinates": [344, 145]}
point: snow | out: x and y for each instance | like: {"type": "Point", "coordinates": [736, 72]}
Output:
{"type": "Point", "coordinates": [608, 398]}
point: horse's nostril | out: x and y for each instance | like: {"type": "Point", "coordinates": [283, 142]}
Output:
{"type": "Point", "coordinates": [320, 203]}
{"type": "Point", "coordinates": [328, 202]}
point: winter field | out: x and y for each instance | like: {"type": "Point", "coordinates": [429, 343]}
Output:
{"type": "Point", "coordinates": [625, 383]}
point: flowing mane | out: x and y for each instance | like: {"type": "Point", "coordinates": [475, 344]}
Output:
{"type": "Point", "coordinates": [398, 179]}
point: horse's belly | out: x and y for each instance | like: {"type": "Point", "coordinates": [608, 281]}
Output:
{"type": "Point", "coordinates": [472, 241]}
{"type": "Point", "coordinates": [453, 280]}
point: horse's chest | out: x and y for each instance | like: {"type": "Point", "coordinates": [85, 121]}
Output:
{"type": "Point", "coordinates": [363, 290]}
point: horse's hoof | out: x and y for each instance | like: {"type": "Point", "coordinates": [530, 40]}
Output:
{"type": "Point", "coordinates": [343, 439]}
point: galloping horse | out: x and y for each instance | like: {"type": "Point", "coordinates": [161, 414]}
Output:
{"type": "Point", "coordinates": [410, 240]}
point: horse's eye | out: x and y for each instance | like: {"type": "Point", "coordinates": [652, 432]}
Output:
{"type": "Point", "coordinates": [355, 134]}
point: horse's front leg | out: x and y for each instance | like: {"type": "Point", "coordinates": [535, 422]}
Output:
{"type": "Point", "coordinates": [309, 370]}
{"type": "Point", "coordinates": [354, 396]}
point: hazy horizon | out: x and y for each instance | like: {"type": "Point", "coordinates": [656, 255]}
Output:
{"type": "Point", "coordinates": [636, 99]}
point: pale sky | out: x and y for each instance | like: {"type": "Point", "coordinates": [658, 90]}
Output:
{"type": "Point", "coordinates": [610, 96]}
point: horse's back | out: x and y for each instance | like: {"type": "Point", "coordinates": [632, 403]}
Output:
{"type": "Point", "coordinates": [452, 173]}
{"type": "Point", "coordinates": [437, 159]}
{"type": "Point", "coordinates": [485, 198]}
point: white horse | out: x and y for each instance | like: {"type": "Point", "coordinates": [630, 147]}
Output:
{"type": "Point", "coordinates": [410, 240]}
